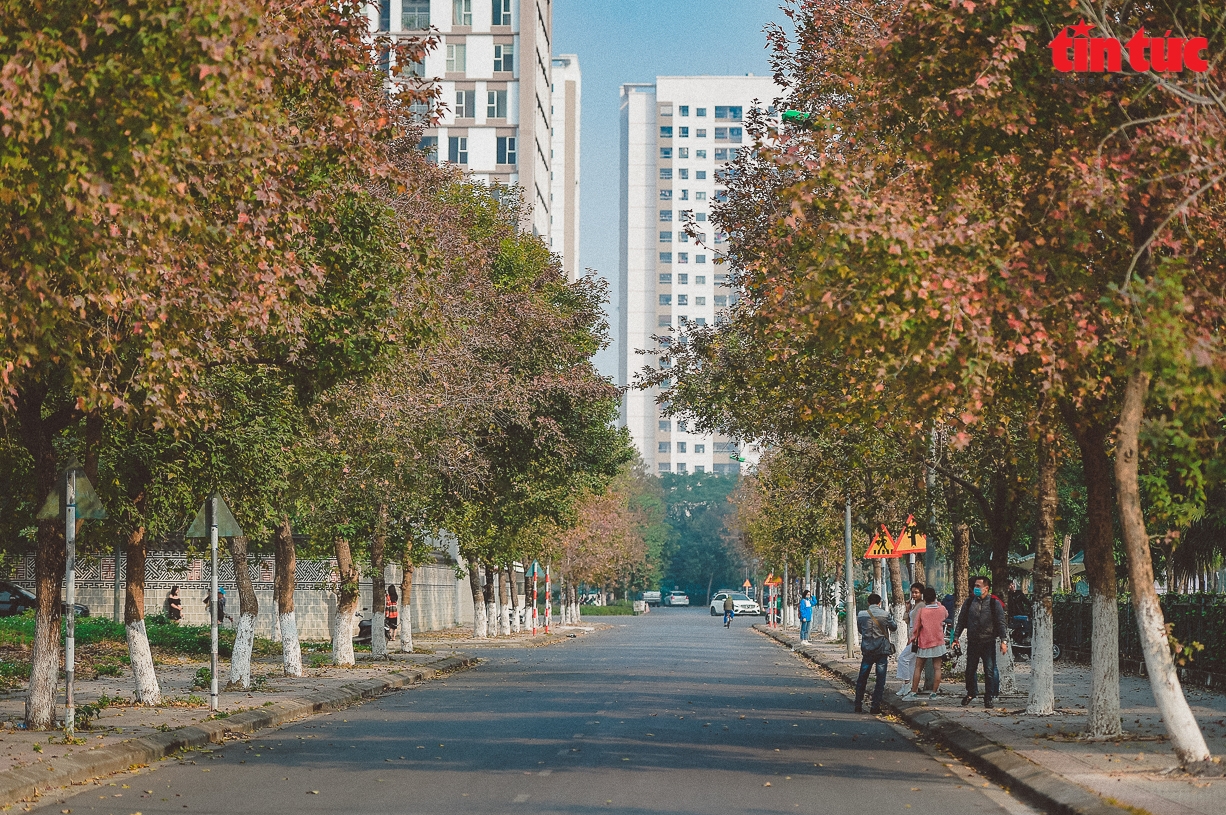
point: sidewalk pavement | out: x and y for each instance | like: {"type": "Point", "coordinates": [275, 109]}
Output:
{"type": "Point", "coordinates": [1044, 756]}
{"type": "Point", "coordinates": [124, 736]}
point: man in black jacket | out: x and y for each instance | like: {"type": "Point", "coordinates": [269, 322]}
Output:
{"type": "Point", "coordinates": [983, 619]}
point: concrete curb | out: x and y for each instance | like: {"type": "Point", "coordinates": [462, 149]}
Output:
{"type": "Point", "coordinates": [25, 782]}
{"type": "Point", "coordinates": [1050, 790]}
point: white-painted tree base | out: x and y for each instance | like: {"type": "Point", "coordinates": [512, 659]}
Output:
{"type": "Point", "coordinates": [1008, 675]}
{"type": "Point", "coordinates": [378, 637]}
{"type": "Point", "coordinates": [480, 628]}
{"type": "Point", "coordinates": [406, 631]}
{"type": "Point", "coordinates": [491, 617]}
{"type": "Point", "coordinates": [1042, 701]}
{"type": "Point", "coordinates": [240, 657]}
{"type": "Point", "coordinates": [146, 690]}
{"type": "Point", "coordinates": [342, 640]}
{"type": "Point", "coordinates": [1103, 710]}
{"type": "Point", "coordinates": [291, 647]}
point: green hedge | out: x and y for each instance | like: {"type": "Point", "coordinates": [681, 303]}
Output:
{"type": "Point", "coordinates": [187, 640]}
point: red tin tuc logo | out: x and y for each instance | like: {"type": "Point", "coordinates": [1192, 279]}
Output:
{"type": "Point", "coordinates": [1080, 52]}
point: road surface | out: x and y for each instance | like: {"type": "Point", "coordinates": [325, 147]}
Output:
{"type": "Point", "coordinates": [667, 713]}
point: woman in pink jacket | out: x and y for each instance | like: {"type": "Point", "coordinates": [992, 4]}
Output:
{"type": "Point", "coordinates": [928, 643]}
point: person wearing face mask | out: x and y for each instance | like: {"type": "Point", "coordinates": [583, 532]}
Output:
{"type": "Point", "coordinates": [982, 617]}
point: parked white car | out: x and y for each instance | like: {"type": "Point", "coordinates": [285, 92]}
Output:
{"type": "Point", "coordinates": [741, 604]}
{"type": "Point", "coordinates": [676, 598]}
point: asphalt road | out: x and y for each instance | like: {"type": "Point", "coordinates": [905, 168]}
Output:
{"type": "Point", "coordinates": [667, 713]}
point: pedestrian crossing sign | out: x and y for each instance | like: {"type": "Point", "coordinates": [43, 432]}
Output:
{"type": "Point", "coordinates": [880, 547]}
{"type": "Point", "coordinates": [911, 541]}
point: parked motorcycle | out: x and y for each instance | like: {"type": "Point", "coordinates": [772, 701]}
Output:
{"type": "Point", "coordinates": [1021, 632]}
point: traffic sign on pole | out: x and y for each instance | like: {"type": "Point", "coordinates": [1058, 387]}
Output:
{"type": "Point", "coordinates": [214, 520]}
{"type": "Point", "coordinates": [881, 548]}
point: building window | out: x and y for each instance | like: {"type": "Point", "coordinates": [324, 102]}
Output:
{"type": "Point", "coordinates": [465, 104]}
{"type": "Point", "coordinates": [666, 237]}
{"type": "Point", "coordinates": [685, 195]}
{"type": "Point", "coordinates": [721, 195]}
{"type": "Point", "coordinates": [504, 58]}
{"type": "Point", "coordinates": [457, 149]}
{"type": "Point", "coordinates": [685, 110]}
{"type": "Point", "coordinates": [700, 259]}
{"type": "Point", "coordinates": [700, 217]}
{"type": "Point", "coordinates": [664, 321]}
{"type": "Point", "coordinates": [462, 12]}
{"type": "Point", "coordinates": [720, 237]}
{"type": "Point", "coordinates": [700, 280]}
{"type": "Point", "coordinates": [721, 134]}
{"type": "Point", "coordinates": [666, 257]}
{"type": "Point", "coordinates": [664, 467]}
{"type": "Point", "coordinates": [664, 447]}
{"type": "Point", "coordinates": [721, 280]}
{"type": "Point", "coordinates": [667, 299]}
{"type": "Point", "coordinates": [502, 12]}
{"type": "Point", "coordinates": [682, 299]}
{"type": "Point", "coordinates": [683, 279]}
{"type": "Point", "coordinates": [666, 277]}
{"type": "Point", "coordinates": [701, 112]}
{"type": "Point", "coordinates": [726, 469]}
{"type": "Point", "coordinates": [728, 112]}
{"type": "Point", "coordinates": [683, 132]}
{"type": "Point", "coordinates": [666, 152]}
{"type": "Point", "coordinates": [700, 321]}
{"type": "Point", "coordinates": [457, 58]}
{"type": "Point", "coordinates": [699, 468]}
{"type": "Point", "coordinates": [700, 153]}
{"type": "Point", "coordinates": [414, 14]}
{"type": "Point", "coordinates": [681, 466]}
{"type": "Point", "coordinates": [666, 174]}
{"type": "Point", "coordinates": [726, 447]}
{"type": "Point", "coordinates": [666, 195]}
{"type": "Point", "coordinates": [681, 427]}
{"type": "Point", "coordinates": [666, 132]}
{"type": "Point", "coordinates": [385, 15]}
{"type": "Point", "coordinates": [700, 175]}
{"type": "Point", "coordinates": [680, 447]}
{"type": "Point", "coordinates": [735, 134]}
{"type": "Point", "coordinates": [429, 146]}
{"type": "Point", "coordinates": [683, 237]}
{"type": "Point", "coordinates": [700, 301]}
{"type": "Point", "coordinates": [506, 150]}
{"type": "Point", "coordinates": [685, 174]}
{"type": "Point", "coordinates": [683, 257]}
{"type": "Point", "coordinates": [496, 105]}
{"type": "Point", "coordinates": [666, 215]}
{"type": "Point", "coordinates": [700, 196]}
{"type": "Point", "coordinates": [665, 425]}
{"type": "Point", "coordinates": [721, 154]}
{"type": "Point", "coordinates": [683, 152]}
{"type": "Point", "coordinates": [700, 133]}
{"type": "Point", "coordinates": [700, 448]}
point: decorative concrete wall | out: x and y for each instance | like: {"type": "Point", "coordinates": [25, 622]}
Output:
{"type": "Point", "coordinates": [439, 599]}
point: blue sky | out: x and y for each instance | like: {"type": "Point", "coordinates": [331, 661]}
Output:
{"type": "Point", "coordinates": [635, 41]}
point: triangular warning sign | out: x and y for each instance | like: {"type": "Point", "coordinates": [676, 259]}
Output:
{"type": "Point", "coordinates": [881, 547]}
{"type": "Point", "coordinates": [910, 541]}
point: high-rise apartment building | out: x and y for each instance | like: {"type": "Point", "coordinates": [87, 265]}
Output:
{"type": "Point", "coordinates": [676, 136]}
{"type": "Point", "coordinates": [493, 65]}
{"type": "Point", "coordinates": [564, 162]}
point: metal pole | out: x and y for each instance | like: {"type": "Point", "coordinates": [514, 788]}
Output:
{"type": "Point", "coordinates": [849, 602]}
{"type": "Point", "coordinates": [930, 479]}
{"type": "Point", "coordinates": [808, 576]}
{"type": "Point", "coordinates": [70, 641]}
{"type": "Point", "coordinates": [535, 568]}
{"type": "Point", "coordinates": [212, 519]}
{"type": "Point", "coordinates": [784, 612]}
{"type": "Point", "coordinates": [548, 600]}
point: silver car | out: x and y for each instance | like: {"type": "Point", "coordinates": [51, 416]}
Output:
{"type": "Point", "coordinates": [676, 597]}
{"type": "Point", "coordinates": [741, 604]}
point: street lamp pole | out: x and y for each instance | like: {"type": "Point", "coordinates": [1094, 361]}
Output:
{"type": "Point", "coordinates": [849, 602]}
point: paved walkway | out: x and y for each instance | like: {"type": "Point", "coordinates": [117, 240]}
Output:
{"type": "Point", "coordinates": [1138, 770]}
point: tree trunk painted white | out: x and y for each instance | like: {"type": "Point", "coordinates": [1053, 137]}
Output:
{"type": "Point", "coordinates": [1103, 710]}
{"type": "Point", "coordinates": [898, 608]}
{"type": "Point", "coordinates": [146, 691]}
{"type": "Point", "coordinates": [1008, 676]}
{"type": "Point", "coordinates": [240, 657]}
{"type": "Point", "coordinates": [491, 601]}
{"type": "Point", "coordinates": [286, 561]}
{"type": "Point", "coordinates": [291, 648]}
{"type": "Point", "coordinates": [504, 597]}
{"type": "Point", "coordinates": [1181, 727]}
{"type": "Point", "coordinates": [249, 609]}
{"type": "Point", "coordinates": [342, 639]}
{"type": "Point", "coordinates": [474, 584]}
{"type": "Point", "coordinates": [1042, 700]}
{"type": "Point", "coordinates": [378, 637]}
{"type": "Point", "coordinates": [406, 606]}
{"type": "Point", "coordinates": [517, 608]}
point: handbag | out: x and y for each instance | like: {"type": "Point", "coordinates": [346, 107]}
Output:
{"type": "Point", "coordinates": [889, 643]}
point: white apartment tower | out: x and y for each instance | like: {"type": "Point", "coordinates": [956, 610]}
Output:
{"type": "Point", "coordinates": [564, 162]}
{"type": "Point", "coordinates": [492, 65]}
{"type": "Point", "coordinates": [676, 136]}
